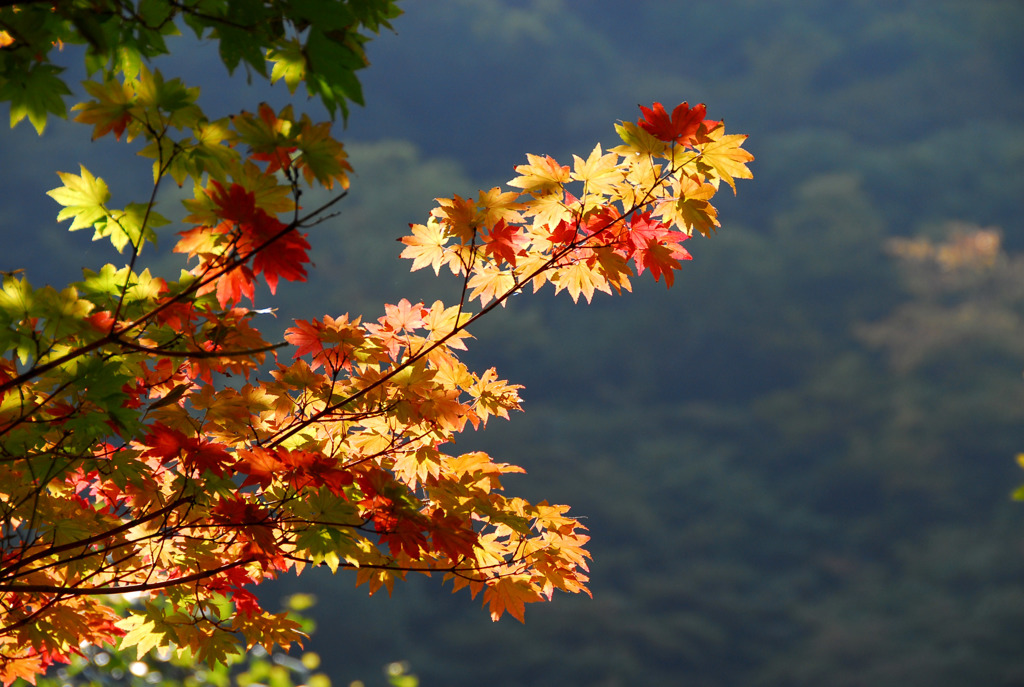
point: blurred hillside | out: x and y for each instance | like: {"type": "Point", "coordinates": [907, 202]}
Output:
{"type": "Point", "coordinates": [796, 465]}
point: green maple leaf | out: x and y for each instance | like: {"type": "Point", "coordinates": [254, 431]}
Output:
{"type": "Point", "coordinates": [37, 93]}
{"type": "Point", "coordinates": [289, 64]}
{"type": "Point", "coordinates": [83, 198]}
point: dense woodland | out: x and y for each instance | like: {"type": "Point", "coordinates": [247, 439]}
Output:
{"type": "Point", "coordinates": [797, 466]}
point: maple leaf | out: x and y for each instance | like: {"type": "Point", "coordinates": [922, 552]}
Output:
{"type": "Point", "coordinates": [478, 468]}
{"type": "Point", "coordinates": [285, 258]}
{"type": "Point", "coordinates": [207, 455]}
{"type": "Point", "coordinates": [321, 156]}
{"type": "Point", "coordinates": [725, 156]}
{"type": "Point", "coordinates": [550, 209]}
{"type": "Point", "coordinates": [111, 111]}
{"type": "Point", "coordinates": [680, 127]}
{"type": "Point", "coordinates": [83, 198]}
{"type": "Point", "coordinates": [143, 632]}
{"type": "Point", "coordinates": [26, 667]}
{"type": "Point", "coordinates": [510, 593]}
{"type": "Point", "coordinates": [257, 228]}
{"type": "Point", "coordinates": [253, 522]}
{"type": "Point", "coordinates": [404, 316]}
{"type": "Point", "coordinates": [637, 141]}
{"type": "Point", "coordinates": [235, 284]}
{"type": "Point", "coordinates": [577, 278]}
{"type": "Point", "coordinates": [33, 93]}
{"type": "Point", "coordinates": [289, 64]}
{"type": "Point", "coordinates": [494, 205]}
{"type": "Point", "coordinates": [415, 466]}
{"type": "Point", "coordinates": [402, 535]}
{"type": "Point", "coordinates": [165, 443]}
{"type": "Point", "coordinates": [613, 267]}
{"type": "Point", "coordinates": [490, 282]}
{"type": "Point", "coordinates": [306, 335]}
{"type": "Point", "coordinates": [691, 208]}
{"type": "Point", "coordinates": [541, 176]}
{"type": "Point", "coordinates": [312, 469]}
{"type": "Point", "coordinates": [426, 247]}
{"type": "Point", "coordinates": [442, 322]}
{"type": "Point", "coordinates": [494, 396]}
{"type": "Point", "coordinates": [260, 465]}
{"type": "Point", "coordinates": [458, 215]}
{"type": "Point", "coordinates": [453, 536]}
{"type": "Point", "coordinates": [655, 247]}
{"type": "Point", "coordinates": [503, 242]}
{"type": "Point", "coordinates": [268, 135]}
{"type": "Point", "coordinates": [600, 173]}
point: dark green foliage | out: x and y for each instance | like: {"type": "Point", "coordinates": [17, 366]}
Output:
{"type": "Point", "coordinates": [325, 36]}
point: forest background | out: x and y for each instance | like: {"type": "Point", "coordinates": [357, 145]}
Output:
{"type": "Point", "coordinates": [797, 465]}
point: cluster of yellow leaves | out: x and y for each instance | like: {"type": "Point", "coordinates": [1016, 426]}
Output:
{"type": "Point", "coordinates": [579, 227]}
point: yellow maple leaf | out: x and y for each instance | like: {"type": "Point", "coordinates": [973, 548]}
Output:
{"type": "Point", "coordinates": [728, 160]}
{"type": "Point", "coordinates": [494, 206]}
{"type": "Point", "coordinates": [548, 210]}
{"type": "Point", "coordinates": [425, 246]}
{"type": "Point", "coordinates": [600, 173]}
{"type": "Point", "coordinates": [141, 633]}
{"type": "Point", "coordinates": [415, 466]}
{"type": "Point", "coordinates": [83, 198]}
{"type": "Point", "coordinates": [579, 278]}
{"type": "Point", "coordinates": [494, 396]}
{"type": "Point", "coordinates": [637, 142]}
{"type": "Point", "coordinates": [458, 215]}
{"type": "Point", "coordinates": [489, 283]}
{"type": "Point", "coordinates": [690, 209]}
{"type": "Point", "coordinates": [541, 176]}
{"type": "Point", "coordinates": [535, 266]}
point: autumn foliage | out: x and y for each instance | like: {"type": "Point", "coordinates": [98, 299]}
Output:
{"type": "Point", "coordinates": [153, 442]}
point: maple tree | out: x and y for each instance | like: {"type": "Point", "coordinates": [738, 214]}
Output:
{"type": "Point", "coordinates": [152, 441]}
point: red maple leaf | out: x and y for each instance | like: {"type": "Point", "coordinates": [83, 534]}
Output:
{"type": "Point", "coordinates": [306, 336]}
{"type": "Point", "coordinates": [167, 444]}
{"type": "Point", "coordinates": [283, 260]}
{"type": "Point", "coordinates": [254, 524]}
{"type": "Point", "coordinates": [235, 203]}
{"type": "Point", "coordinates": [308, 468]}
{"type": "Point", "coordinates": [235, 284]}
{"type": "Point", "coordinates": [654, 246]}
{"type": "Point", "coordinates": [563, 234]}
{"type": "Point", "coordinates": [452, 535]}
{"type": "Point", "coordinates": [257, 230]}
{"type": "Point", "coordinates": [177, 315]}
{"type": "Point", "coordinates": [502, 242]}
{"type": "Point", "coordinates": [680, 127]}
{"type": "Point", "coordinates": [331, 341]}
{"type": "Point", "coordinates": [402, 535]}
{"type": "Point", "coordinates": [202, 455]}
{"type": "Point", "coordinates": [260, 465]}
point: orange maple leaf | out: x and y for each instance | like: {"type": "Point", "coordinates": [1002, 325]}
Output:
{"type": "Point", "coordinates": [511, 594]}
